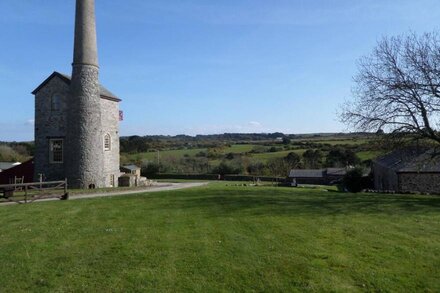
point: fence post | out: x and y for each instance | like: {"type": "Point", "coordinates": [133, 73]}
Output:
{"type": "Point", "coordinates": [25, 193]}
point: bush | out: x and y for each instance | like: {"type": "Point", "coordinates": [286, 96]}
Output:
{"type": "Point", "coordinates": [274, 149]}
{"type": "Point", "coordinates": [353, 180]}
{"type": "Point", "coordinates": [150, 169]}
{"type": "Point", "coordinates": [228, 168]}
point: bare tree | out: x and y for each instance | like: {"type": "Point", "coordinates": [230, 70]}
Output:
{"type": "Point", "coordinates": [397, 88]}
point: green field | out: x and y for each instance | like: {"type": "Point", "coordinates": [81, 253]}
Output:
{"type": "Point", "coordinates": [337, 141]}
{"type": "Point", "coordinates": [263, 154]}
{"type": "Point", "coordinates": [369, 155]}
{"type": "Point", "coordinates": [177, 154]}
{"type": "Point", "coordinates": [280, 154]}
{"type": "Point", "coordinates": [223, 238]}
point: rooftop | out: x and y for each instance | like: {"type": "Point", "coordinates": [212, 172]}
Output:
{"type": "Point", "coordinates": [8, 165]}
{"type": "Point", "coordinates": [131, 167]}
{"type": "Point", "coordinates": [411, 160]}
{"type": "Point", "coordinates": [104, 93]}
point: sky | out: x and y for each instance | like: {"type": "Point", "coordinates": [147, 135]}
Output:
{"type": "Point", "coordinates": [205, 67]}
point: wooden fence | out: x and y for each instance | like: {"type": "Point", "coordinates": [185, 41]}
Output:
{"type": "Point", "coordinates": [29, 192]}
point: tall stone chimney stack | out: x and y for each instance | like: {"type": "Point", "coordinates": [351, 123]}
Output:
{"type": "Point", "coordinates": [84, 157]}
{"type": "Point", "coordinates": [85, 47]}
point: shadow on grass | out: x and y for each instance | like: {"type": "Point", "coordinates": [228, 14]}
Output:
{"type": "Point", "coordinates": [280, 202]}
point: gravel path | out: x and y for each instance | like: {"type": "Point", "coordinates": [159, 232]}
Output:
{"type": "Point", "coordinates": [155, 188]}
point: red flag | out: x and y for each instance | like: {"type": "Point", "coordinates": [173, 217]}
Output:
{"type": "Point", "coordinates": [121, 115]}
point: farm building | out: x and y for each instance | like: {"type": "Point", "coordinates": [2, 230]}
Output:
{"type": "Point", "coordinates": [132, 177]}
{"type": "Point", "coordinates": [316, 176]}
{"type": "Point", "coordinates": [409, 170]}
{"type": "Point", "coordinates": [21, 173]}
{"type": "Point", "coordinates": [131, 169]}
{"type": "Point", "coordinates": [8, 165]}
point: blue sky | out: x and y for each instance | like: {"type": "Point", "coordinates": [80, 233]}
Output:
{"type": "Point", "coordinates": [202, 67]}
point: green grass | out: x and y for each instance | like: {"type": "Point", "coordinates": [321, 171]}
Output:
{"type": "Point", "coordinates": [280, 154]}
{"type": "Point", "coordinates": [223, 238]}
{"type": "Point", "coordinates": [240, 148]}
{"type": "Point", "coordinates": [177, 154]}
{"type": "Point", "coordinates": [368, 155]}
{"type": "Point", "coordinates": [342, 141]}
{"type": "Point", "coordinates": [334, 140]}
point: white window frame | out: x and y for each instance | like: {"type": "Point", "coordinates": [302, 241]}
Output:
{"type": "Point", "coordinates": [107, 145]}
{"type": "Point", "coordinates": [51, 151]}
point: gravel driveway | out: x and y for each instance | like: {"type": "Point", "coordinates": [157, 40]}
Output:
{"type": "Point", "coordinates": [162, 186]}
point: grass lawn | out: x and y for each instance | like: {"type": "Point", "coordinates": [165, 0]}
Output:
{"type": "Point", "coordinates": [223, 238]}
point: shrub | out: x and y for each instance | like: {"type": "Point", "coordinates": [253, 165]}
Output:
{"type": "Point", "coordinates": [274, 149]}
{"type": "Point", "coordinates": [353, 180]}
{"type": "Point", "coordinates": [228, 168]}
{"type": "Point", "coordinates": [150, 169]}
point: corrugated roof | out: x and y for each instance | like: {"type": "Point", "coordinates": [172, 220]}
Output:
{"type": "Point", "coordinates": [104, 93]}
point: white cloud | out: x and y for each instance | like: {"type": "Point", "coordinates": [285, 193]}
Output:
{"type": "Point", "coordinates": [255, 124]}
{"type": "Point", "coordinates": [30, 122]}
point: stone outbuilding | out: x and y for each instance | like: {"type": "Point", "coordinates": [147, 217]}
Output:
{"type": "Point", "coordinates": [132, 177]}
{"type": "Point", "coordinates": [316, 176]}
{"type": "Point", "coordinates": [408, 171]}
{"type": "Point", "coordinates": [131, 169]}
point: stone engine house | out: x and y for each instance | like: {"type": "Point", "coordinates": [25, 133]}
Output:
{"type": "Point", "coordinates": [76, 119]}
{"type": "Point", "coordinates": [51, 126]}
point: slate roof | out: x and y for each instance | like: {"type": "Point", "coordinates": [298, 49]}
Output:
{"type": "Point", "coordinates": [411, 161]}
{"type": "Point", "coordinates": [304, 173]}
{"type": "Point", "coordinates": [336, 171]}
{"type": "Point", "coordinates": [317, 173]}
{"type": "Point", "coordinates": [105, 93]}
{"type": "Point", "coordinates": [131, 167]}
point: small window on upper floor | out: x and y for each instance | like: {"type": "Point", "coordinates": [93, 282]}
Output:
{"type": "Point", "coordinates": [107, 142]}
{"type": "Point", "coordinates": [55, 103]}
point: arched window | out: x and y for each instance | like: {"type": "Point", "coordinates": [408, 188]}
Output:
{"type": "Point", "coordinates": [107, 142]}
{"type": "Point", "coordinates": [55, 103]}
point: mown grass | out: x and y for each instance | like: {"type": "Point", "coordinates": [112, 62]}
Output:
{"type": "Point", "coordinates": [223, 238]}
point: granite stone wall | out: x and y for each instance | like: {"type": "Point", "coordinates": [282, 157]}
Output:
{"type": "Point", "coordinates": [85, 159]}
{"type": "Point", "coordinates": [49, 124]}
{"type": "Point", "coordinates": [419, 182]}
{"type": "Point", "coordinates": [84, 152]}
{"type": "Point", "coordinates": [384, 178]}
{"type": "Point", "coordinates": [110, 125]}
